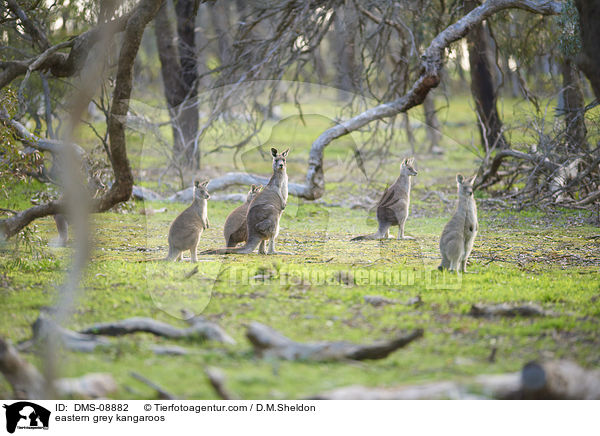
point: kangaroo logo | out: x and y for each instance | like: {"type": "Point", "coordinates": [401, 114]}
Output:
{"type": "Point", "coordinates": [26, 415]}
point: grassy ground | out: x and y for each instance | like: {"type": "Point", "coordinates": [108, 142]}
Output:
{"type": "Point", "coordinates": [548, 258]}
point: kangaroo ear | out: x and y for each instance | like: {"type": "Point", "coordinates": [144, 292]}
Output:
{"type": "Point", "coordinates": [203, 184]}
{"type": "Point", "coordinates": [285, 153]}
{"type": "Point", "coordinates": [196, 183]}
{"type": "Point", "coordinates": [274, 152]}
{"type": "Point", "coordinates": [459, 178]}
{"type": "Point", "coordinates": [471, 179]}
{"type": "Point", "coordinates": [253, 187]}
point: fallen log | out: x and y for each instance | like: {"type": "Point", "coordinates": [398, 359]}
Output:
{"type": "Point", "coordinates": [481, 387]}
{"type": "Point", "coordinates": [200, 328]}
{"type": "Point", "coordinates": [27, 382]}
{"type": "Point", "coordinates": [557, 380]}
{"type": "Point", "coordinates": [268, 342]}
{"type": "Point", "coordinates": [44, 326]}
{"type": "Point", "coordinates": [431, 391]}
{"type": "Point", "coordinates": [378, 300]}
{"type": "Point", "coordinates": [508, 310]}
{"type": "Point", "coordinates": [186, 196]}
{"type": "Point", "coordinates": [23, 377]}
{"type": "Point", "coordinates": [145, 194]}
{"type": "Point", "coordinates": [87, 387]}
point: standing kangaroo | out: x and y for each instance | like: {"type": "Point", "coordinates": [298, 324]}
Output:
{"type": "Point", "coordinates": [459, 233]}
{"type": "Point", "coordinates": [264, 213]}
{"type": "Point", "coordinates": [392, 209]}
{"type": "Point", "coordinates": [186, 229]}
{"type": "Point", "coordinates": [235, 229]}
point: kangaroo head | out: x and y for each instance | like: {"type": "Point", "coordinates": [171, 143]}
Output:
{"type": "Point", "coordinates": [254, 190]}
{"type": "Point", "coordinates": [200, 191]}
{"type": "Point", "coordinates": [407, 167]}
{"type": "Point", "coordinates": [279, 159]}
{"type": "Point", "coordinates": [465, 185]}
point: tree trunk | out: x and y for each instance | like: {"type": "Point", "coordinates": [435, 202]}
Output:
{"type": "Point", "coordinates": [179, 69]}
{"type": "Point", "coordinates": [186, 11]}
{"type": "Point", "coordinates": [346, 27]}
{"type": "Point", "coordinates": [573, 105]}
{"type": "Point", "coordinates": [483, 86]}
{"type": "Point", "coordinates": [171, 72]}
{"type": "Point", "coordinates": [589, 26]}
{"type": "Point", "coordinates": [220, 18]}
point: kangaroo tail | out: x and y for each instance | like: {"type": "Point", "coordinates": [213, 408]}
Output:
{"type": "Point", "coordinates": [154, 259]}
{"type": "Point", "coordinates": [249, 247]}
{"type": "Point", "coordinates": [370, 237]}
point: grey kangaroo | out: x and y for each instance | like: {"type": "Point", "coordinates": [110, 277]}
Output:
{"type": "Point", "coordinates": [392, 209]}
{"type": "Point", "coordinates": [264, 213]}
{"type": "Point", "coordinates": [186, 229]}
{"type": "Point", "coordinates": [235, 230]}
{"type": "Point", "coordinates": [459, 233]}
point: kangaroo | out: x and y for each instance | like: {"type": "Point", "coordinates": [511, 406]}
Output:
{"type": "Point", "coordinates": [392, 209]}
{"type": "Point", "coordinates": [235, 225]}
{"type": "Point", "coordinates": [186, 229]}
{"type": "Point", "coordinates": [264, 212]}
{"type": "Point", "coordinates": [459, 233]}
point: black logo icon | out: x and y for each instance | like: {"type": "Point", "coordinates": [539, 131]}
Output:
{"type": "Point", "coordinates": [26, 415]}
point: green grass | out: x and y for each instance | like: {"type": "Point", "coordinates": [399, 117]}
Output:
{"type": "Point", "coordinates": [316, 294]}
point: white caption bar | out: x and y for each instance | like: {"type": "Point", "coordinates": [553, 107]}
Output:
{"type": "Point", "coordinates": [298, 417]}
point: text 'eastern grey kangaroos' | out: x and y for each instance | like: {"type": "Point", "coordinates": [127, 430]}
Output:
{"type": "Point", "coordinates": [459, 234]}
{"type": "Point", "coordinates": [392, 209]}
{"type": "Point", "coordinates": [264, 213]}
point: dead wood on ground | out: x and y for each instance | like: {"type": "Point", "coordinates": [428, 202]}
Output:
{"type": "Point", "coordinates": [507, 310]}
{"type": "Point", "coordinates": [269, 342]}
{"type": "Point", "coordinates": [162, 393]}
{"type": "Point", "coordinates": [22, 376]}
{"type": "Point", "coordinates": [200, 328]}
{"type": "Point", "coordinates": [557, 380]}
{"type": "Point", "coordinates": [217, 380]}
{"type": "Point", "coordinates": [27, 382]}
{"type": "Point", "coordinates": [378, 300]}
{"type": "Point", "coordinates": [87, 387]}
{"type": "Point", "coordinates": [44, 326]}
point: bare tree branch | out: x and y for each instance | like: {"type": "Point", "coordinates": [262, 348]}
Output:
{"type": "Point", "coordinates": [37, 34]}
{"type": "Point", "coordinates": [58, 63]}
{"type": "Point", "coordinates": [134, 24]}
{"type": "Point", "coordinates": [431, 66]}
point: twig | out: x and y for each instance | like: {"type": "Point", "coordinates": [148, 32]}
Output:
{"type": "Point", "coordinates": [217, 380]}
{"type": "Point", "coordinates": [162, 393]}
